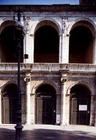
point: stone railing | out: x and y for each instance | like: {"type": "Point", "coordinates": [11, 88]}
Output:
{"type": "Point", "coordinates": [14, 67]}
{"type": "Point", "coordinates": [79, 67]}
{"type": "Point", "coordinates": [48, 67]}
{"type": "Point", "coordinates": [64, 67]}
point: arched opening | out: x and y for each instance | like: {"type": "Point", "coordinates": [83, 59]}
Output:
{"type": "Point", "coordinates": [9, 104]}
{"type": "Point", "coordinates": [81, 43]}
{"type": "Point", "coordinates": [46, 49]}
{"type": "Point", "coordinates": [9, 37]}
{"type": "Point", "coordinates": [45, 105]}
{"type": "Point", "coordinates": [80, 99]}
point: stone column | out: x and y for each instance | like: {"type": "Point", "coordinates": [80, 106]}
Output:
{"type": "Point", "coordinates": [95, 110]}
{"type": "Point", "coordinates": [29, 48]}
{"type": "Point", "coordinates": [94, 52]}
{"type": "Point", "coordinates": [65, 51]}
{"type": "Point", "coordinates": [58, 109]}
{"type": "Point", "coordinates": [64, 43]}
{"type": "Point", "coordinates": [0, 108]}
{"type": "Point", "coordinates": [28, 92]}
{"type": "Point", "coordinates": [63, 87]}
{"type": "Point", "coordinates": [28, 43]}
{"type": "Point", "coordinates": [32, 111]}
{"type": "Point", "coordinates": [60, 48]}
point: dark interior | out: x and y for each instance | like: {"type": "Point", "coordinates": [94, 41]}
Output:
{"type": "Point", "coordinates": [46, 45]}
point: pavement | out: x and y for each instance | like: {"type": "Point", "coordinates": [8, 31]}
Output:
{"type": "Point", "coordinates": [49, 132]}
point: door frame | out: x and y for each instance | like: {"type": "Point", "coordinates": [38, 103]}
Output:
{"type": "Point", "coordinates": [83, 106]}
{"type": "Point", "coordinates": [44, 99]}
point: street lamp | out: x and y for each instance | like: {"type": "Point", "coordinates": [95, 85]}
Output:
{"type": "Point", "coordinates": [18, 38]}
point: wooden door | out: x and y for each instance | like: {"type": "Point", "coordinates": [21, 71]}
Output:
{"type": "Point", "coordinates": [5, 110]}
{"type": "Point", "coordinates": [80, 111]}
{"type": "Point", "coordinates": [73, 112]}
{"type": "Point", "coordinates": [45, 109]}
{"type": "Point", "coordinates": [39, 108]}
{"type": "Point", "coordinates": [83, 116]}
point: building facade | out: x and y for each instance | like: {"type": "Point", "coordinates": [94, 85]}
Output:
{"type": "Point", "coordinates": [87, 2]}
{"type": "Point", "coordinates": [58, 64]}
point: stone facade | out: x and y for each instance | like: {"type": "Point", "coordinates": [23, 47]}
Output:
{"type": "Point", "coordinates": [73, 71]}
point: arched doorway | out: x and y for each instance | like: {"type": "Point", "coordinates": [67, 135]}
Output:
{"type": "Point", "coordinates": [46, 43]}
{"type": "Point", "coordinates": [45, 105]}
{"type": "Point", "coordinates": [80, 99]}
{"type": "Point", "coordinates": [9, 104]}
{"type": "Point", "coordinates": [81, 44]}
{"type": "Point", "coordinates": [9, 36]}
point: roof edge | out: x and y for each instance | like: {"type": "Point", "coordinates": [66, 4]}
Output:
{"type": "Point", "coordinates": [46, 8]}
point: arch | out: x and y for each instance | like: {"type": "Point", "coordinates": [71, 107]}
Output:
{"type": "Point", "coordinates": [10, 36]}
{"type": "Point", "coordinates": [45, 104]}
{"type": "Point", "coordinates": [40, 83]}
{"type": "Point", "coordinates": [89, 21]}
{"type": "Point", "coordinates": [9, 95]}
{"type": "Point", "coordinates": [85, 22]}
{"type": "Point", "coordinates": [80, 102]}
{"type": "Point", "coordinates": [46, 42]}
{"type": "Point", "coordinates": [5, 84]}
{"type": "Point", "coordinates": [81, 44]}
{"type": "Point", "coordinates": [86, 84]}
{"type": "Point", "coordinates": [6, 23]}
{"type": "Point", "coordinates": [48, 21]}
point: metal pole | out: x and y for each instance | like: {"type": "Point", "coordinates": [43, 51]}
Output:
{"type": "Point", "coordinates": [18, 126]}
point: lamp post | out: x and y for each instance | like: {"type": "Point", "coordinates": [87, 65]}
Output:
{"type": "Point", "coordinates": [18, 36]}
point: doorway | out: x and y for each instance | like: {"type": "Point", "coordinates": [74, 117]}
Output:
{"type": "Point", "coordinates": [45, 105]}
{"type": "Point", "coordinates": [9, 104]}
{"type": "Point", "coordinates": [80, 99]}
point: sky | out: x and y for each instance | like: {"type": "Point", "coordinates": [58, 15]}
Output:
{"type": "Point", "coordinates": [39, 2]}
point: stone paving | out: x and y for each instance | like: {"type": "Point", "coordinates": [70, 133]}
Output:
{"type": "Point", "coordinates": [49, 132]}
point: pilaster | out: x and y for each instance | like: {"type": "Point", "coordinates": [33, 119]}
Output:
{"type": "Point", "coordinates": [28, 43]}
{"type": "Point", "coordinates": [94, 52]}
{"type": "Point", "coordinates": [28, 92]}
{"type": "Point", "coordinates": [93, 111]}
{"type": "Point", "coordinates": [63, 100]}
{"type": "Point", "coordinates": [0, 108]}
{"type": "Point", "coordinates": [64, 43]}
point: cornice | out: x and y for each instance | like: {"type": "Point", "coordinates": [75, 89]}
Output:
{"type": "Point", "coordinates": [47, 8]}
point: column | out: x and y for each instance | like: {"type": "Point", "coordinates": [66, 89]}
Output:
{"type": "Point", "coordinates": [28, 42]}
{"type": "Point", "coordinates": [0, 108]}
{"type": "Point", "coordinates": [58, 109]}
{"type": "Point", "coordinates": [32, 111]}
{"type": "Point", "coordinates": [29, 48]}
{"type": "Point", "coordinates": [28, 90]}
{"type": "Point", "coordinates": [93, 111]}
{"type": "Point", "coordinates": [94, 52]}
{"type": "Point", "coordinates": [65, 49]}
{"type": "Point", "coordinates": [60, 48]}
{"type": "Point", "coordinates": [64, 43]}
{"type": "Point", "coordinates": [63, 87]}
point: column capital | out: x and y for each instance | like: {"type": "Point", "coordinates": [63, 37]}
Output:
{"type": "Point", "coordinates": [64, 77]}
{"type": "Point", "coordinates": [27, 79]}
{"type": "Point", "coordinates": [63, 80]}
{"type": "Point", "coordinates": [27, 26]}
